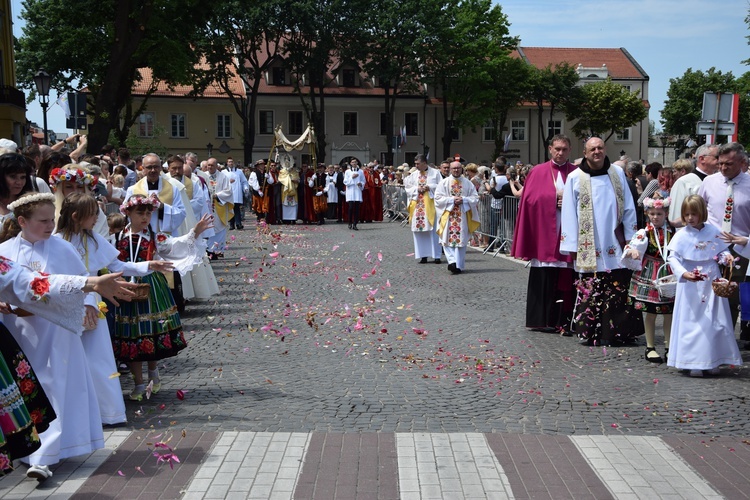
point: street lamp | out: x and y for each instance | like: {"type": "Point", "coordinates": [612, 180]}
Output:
{"type": "Point", "coordinates": [664, 140]}
{"type": "Point", "coordinates": [42, 80]}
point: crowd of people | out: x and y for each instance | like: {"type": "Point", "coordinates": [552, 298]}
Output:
{"type": "Point", "coordinates": [63, 353]}
{"type": "Point", "coordinates": [609, 249]}
{"type": "Point", "coordinates": [629, 248]}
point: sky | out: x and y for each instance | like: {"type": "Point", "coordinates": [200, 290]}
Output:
{"type": "Point", "coordinates": [666, 37]}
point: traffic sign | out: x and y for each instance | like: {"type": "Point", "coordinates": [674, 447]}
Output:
{"type": "Point", "coordinates": [722, 128]}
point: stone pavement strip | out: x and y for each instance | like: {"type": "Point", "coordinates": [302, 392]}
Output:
{"type": "Point", "coordinates": [335, 366]}
{"type": "Point", "coordinates": [297, 465]}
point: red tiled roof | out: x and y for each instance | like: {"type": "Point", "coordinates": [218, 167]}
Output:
{"type": "Point", "coordinates": [162, 89]}
{"type": "Point", "coordinates": [620, 63]}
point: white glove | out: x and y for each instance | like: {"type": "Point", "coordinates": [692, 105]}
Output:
{"type": "Point", "coordinates": [260, 193]}
{"type": "Point", "coordinates": [319, 194]}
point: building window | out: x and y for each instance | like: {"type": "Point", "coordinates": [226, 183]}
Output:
{"type": "Point", "coordinates": [278, 76]}
{"type": "Point", "coordinates": [411, 121]}
{"type": "Point", "coordinates": [383, 125]}
{"type": "Point", "coordinates": [488, 132]}
{"type": "Point", "coordinates": [518, 130]}
{"type": "Point", "coordinates": [295, 122]}
{"type": "Point", "coordinates": [146, 125]}
{"type": "Point", "coordinates": [265, 122]}
{"type": "Point", "coordinates": [383, 155]}
{"type": "Point", "coordinates": [409, 157]}
{"type": "Point", "coordinates": [623, 135]}
{"type": "Point", "coordinates": [554, 127]}
{"type": "Point", "coordinates": [455, 132]}
{"type": "Point", "coordinates": [628, 87]}
{"type": "Point", "coordinates": [224, 126]}
{"type": "Point", "coordinates": [348, 78]}
{"type": "Point", "coordinates": [178, 130]}
{"type": "Point", "coordinates": [306, 159]}
{"type": "Point", "coordinates": [350, 123]}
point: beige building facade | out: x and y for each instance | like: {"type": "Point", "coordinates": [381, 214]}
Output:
{"type": "Point", "coordinates": [354, 117]}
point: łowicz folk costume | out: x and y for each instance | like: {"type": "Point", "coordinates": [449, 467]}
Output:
{"type": "Point", "coordinates": [422, 212]}
{"type": "Point", "coordinates": [151, 330]}
{"type": "Point", "coordinates": [596, 209]}
{"type": "Point", "coordinates": [456, 222]}
{"type": "Point", "coordinates": [319, 185]}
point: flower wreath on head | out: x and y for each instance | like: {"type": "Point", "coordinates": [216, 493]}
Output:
{"type": "Point", "coordinates": [76, 175]}
{"type": "Point", "coordinates": [32, 198]}
{"type": "Point", "coordinates": [135, 201]}
{"type": "Point", "coordinates": [657, 202]}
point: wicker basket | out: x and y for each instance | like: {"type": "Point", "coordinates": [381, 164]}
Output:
{"type": "Point", "coordinates": [142, 291]}
{"type": "Point", "coordinates": [666, 285]}
{"type": "Point", "coordinates": [725, 287]}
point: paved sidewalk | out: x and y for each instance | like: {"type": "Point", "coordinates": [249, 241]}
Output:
{"type": "Point", "coordinates": [295, 465]}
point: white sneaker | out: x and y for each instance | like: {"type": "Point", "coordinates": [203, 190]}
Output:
{"type": "Point", "coordinates": [696, 373]}
{"type": "Point", "coordinates": [39, 472]}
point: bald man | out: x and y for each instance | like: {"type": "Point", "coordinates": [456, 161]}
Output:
{"type": "Point", "coordinates": [456, 202]}
{"type": "Point", "coordinates": [598, 217]}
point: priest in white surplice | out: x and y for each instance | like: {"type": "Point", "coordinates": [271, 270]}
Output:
{"type": "Point", "coordinates": [200, 282]}
{"type": "Point", "coordinates": [171, 213]}
{"type": "Point", "coordinates": [598, 217]}
{"type": "Point", "coordinates": [456, 202]}
{"type": "Point", "coordinates": [220, 188]}
{"type": "Point", "coordinates": [420, 188]}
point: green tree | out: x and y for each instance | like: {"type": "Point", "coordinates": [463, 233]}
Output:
{"type": "Point", "coordinates": [319, 29]}
{"type": "Point", "coordinates": [100, 45]}
{"type": "Point", "coordinates": [684, 104]}
{"type": "Point", "coordinates": [242, 39]}
{"type": "Point", "coordinates": [392, 33]}
{"type": "Point", "coordinates": [553, 89]}
{"type": "Point", "coordinates": [510, 82]}
{"type": "Point", "coordinates": [459, 60]}
{"type": "Point", "coordinates": [606, 108]}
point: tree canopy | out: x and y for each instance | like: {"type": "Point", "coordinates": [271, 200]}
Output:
{"type": "Point", "coordinates": [100, 44]}
{"type": "Point", "coordinates": [606, 108]}
{"type": "Point", "coordinates": [682, 109]}
{"type": "Point", "coordinates": [461, 61]}
{"type": "Point", "coordinates": [553, 88]}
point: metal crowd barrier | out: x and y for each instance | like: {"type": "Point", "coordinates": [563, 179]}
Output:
{"type": "Point", "coordinates": [507, 223]}
{"type": "Point", "coordinates": [497, 217]}
{"type": "Point", "coordinates": [497, 222]}
{"type": "Point", "coordinates": [395, 203]}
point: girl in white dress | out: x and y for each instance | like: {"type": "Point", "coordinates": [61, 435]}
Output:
{"type": "Point", "coordinates": [78, 215]}
{"type": "Point", "coordinates": [56, 354]}
{"type": "Point", "coordinates": [702, 331]}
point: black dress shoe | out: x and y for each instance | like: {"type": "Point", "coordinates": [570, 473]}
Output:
{"type": "Point", "coordinates": [350, 226]}
{"type": "Point", "coordinates": [456, 270]}
{"type": "Point", "coordinates": [355, 227]}
{"type": "Point", "coordinates": [451, 267]}
{"type": "Point", "coordinates": [423, 260]}
{"type": "Point", "coordinates": [438, 261]}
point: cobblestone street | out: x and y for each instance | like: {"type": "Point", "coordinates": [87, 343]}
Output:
{"type": "Point", "coordinates": [334, 366]}
{"type": "Point", "coordinates": [322, 329]}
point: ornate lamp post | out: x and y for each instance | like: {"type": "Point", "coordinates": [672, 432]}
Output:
{"type": "Point", "coordinates": [43, 81]}
{"type": "Point", "coordinates": [664, 140]}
